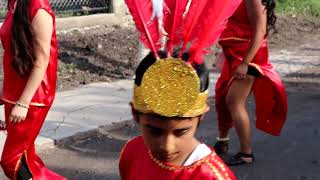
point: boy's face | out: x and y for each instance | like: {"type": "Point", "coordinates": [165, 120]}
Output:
{"type": "Point", "coordinates": [171, 139]}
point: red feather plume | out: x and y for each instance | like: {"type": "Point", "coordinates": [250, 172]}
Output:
{"type": "Point", "coordinates": [141, 11]}
{"type": "Point", "coordinates": [191, 21]}
{"type": "Point", "coordinates": [173, 21]}
{"type": "Point", "coordinates": [213, 21]}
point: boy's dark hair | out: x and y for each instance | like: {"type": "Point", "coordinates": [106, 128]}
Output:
{"type": "Point", "coordinates": [201, 69]}
{"type": "Point", "coordinates": [164, 117]}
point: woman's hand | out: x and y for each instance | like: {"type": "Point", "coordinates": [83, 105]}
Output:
{"type": "Point", "coordinates": [18, 114]}
{"type": "Point", "coordinates": [241, 71]}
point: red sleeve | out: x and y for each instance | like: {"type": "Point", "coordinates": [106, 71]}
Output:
{"type": "Point", "coordinates": [122, 161]}
{"type": "Point", "coordinates": [127, 156]}
{"type": "Point", "coordinates": [221, 168]}
{"type": "Point", "coordinates": [35, 5]}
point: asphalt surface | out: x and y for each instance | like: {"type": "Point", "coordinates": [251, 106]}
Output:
{"type": "Point", "coordinates": [292, 156]}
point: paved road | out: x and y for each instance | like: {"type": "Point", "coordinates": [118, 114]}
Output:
{"type": "Point", "coordinates": [292, 156]}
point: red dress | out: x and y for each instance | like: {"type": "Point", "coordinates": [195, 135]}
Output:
{"type": "Point", "coordinates": [21, 136]}
{"type": "Point", "coordinates": [269, 92]}
{"type": "Point", "coordinates": [136, 162]}
{"type": "Point", "coordinates": [44, 96]}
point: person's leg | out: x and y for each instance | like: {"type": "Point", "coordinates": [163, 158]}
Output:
{"type": "Point", "coordinates": [20, 140]}
{"type": "Point", "coordinates": [224, 118]}
{"type": "Point", "coordinates": [236, 103]}
{"type": "Point", "coordinates": [24, 171]}
{"type": "Point", "coordinates": [225, 122]}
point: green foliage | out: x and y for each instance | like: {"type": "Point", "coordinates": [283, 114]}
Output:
{"type": "Point", "coordinates": [300, 7]}
{"type": "Point", "coordinates": [70, 67]}
{"type": "Point", "coordinates": [3, 12]}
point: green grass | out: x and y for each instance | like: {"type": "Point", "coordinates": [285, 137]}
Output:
{"type": "Point", "coordinates": [3, 12]}
{"type": "Point", "coordinates": [299, 7]}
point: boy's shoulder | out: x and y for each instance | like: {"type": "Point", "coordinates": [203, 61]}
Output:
{"type": "Point", "coordinates": [136, 142]}
{"type": "Point", "coordinates": [214, 166]}
{"type": "Point", "coordinates": [132, 149]}
{"type": "Point", "coordinates": [209, 167]}
{"type": "Point", "coordinates": [133, 146]}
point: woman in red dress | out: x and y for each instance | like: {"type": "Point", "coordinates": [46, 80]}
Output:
{"type": "Point", "coordinates": [30, 73]}
{"type": "Point", "coordinates": [247, 68]}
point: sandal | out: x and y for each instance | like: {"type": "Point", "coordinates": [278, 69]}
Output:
{"type": "Point", "coordinates": [240, 158]}
{"type": "Point", "coordinates": [221, 147]}
{"type": "Point", "coordinates": [2, 125]}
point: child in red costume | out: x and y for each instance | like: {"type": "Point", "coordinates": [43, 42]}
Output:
{"type": "Point", "coordinates": [171, 91]}
{"type": "Point", "coordinates": [167, 148]}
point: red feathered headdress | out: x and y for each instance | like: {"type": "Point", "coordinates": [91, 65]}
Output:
{"type": "Point", "coordinates": [192, 25]}
{"type": "Point", "coordinates": [170, 87]}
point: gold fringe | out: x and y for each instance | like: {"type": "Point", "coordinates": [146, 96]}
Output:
{"type": "Point", "coordinates": [175, 168]}
{"type": "Point", "coordinates": [215, 171]}
{"type": "Point", "coordinates": [32, 103]}
{"type": "Point", "coordinates": [234, 38]}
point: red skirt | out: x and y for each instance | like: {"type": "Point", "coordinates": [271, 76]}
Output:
{"type": "Point", "coordinates": [268, 90]}
{"type": "Point", "coordinates": [20, 142]}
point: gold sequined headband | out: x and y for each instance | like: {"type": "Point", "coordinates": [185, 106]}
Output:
{"type": "Point", "coordinates": [170, 88]}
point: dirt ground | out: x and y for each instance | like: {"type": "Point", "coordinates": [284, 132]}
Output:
{"type": "Point", "coordinates": [293, 31]}
{"type": "Point", "coordinates": [108, 53]}
{"type": "Point", "coordinates": [102, 53]}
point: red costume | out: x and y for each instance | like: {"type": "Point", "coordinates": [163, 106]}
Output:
{"type": "Point", "coordinates": [269, 92]}
{"type": "Point", "coordinates": [136, 162]}
{"type": "Point", "coordinates": [168, 86]}
{"type": "Point", "coordinates": [21, 136]}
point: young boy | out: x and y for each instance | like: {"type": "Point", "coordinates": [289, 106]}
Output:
{"type": "Point", "coordinates": [170, 94]}
{"type": "Point", "coordinates": [168, 107]}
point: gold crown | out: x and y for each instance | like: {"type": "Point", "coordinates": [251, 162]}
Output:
{"type": "Point", "coordinates": [170, 88]}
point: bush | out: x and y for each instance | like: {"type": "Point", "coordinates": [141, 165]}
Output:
{"type": "Point", "coordinates": [304, 7]}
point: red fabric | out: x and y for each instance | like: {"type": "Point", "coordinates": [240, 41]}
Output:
{"type": "Point", "coordinates": [238, 24]}
{"type": "Point", "coordinates": [141, 11]}
{"type": "Point", "coordinates": [21, 136]}
{"type": "Point", "coordinates": [136, 163]}
{"type": "Point", "coordinates": [20, 141]}
{"type": "Point", "coordinates": [269, 92]}
{"type": "Point", "coordinates": [172, 22]}
{"type": "Point", "coordinates": [211, 23]}
{"type": "Point", "coordinates": [13, 84]}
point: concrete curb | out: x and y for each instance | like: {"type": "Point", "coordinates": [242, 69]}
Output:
{"type": "Point", "coordinates": [83, 109]}
{"type": "Point", "coordinates": [87, 21]}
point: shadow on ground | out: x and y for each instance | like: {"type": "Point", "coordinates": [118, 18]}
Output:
{"type": "Point", "coordinates": [294, 155]}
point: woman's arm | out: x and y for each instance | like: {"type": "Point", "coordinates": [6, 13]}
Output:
{"type": "Point", "coordinates": [42, 26]}
{"type": "Point", "coordinates": [257, 14]}
{"type": "Point", "coordinates": [258, 19]}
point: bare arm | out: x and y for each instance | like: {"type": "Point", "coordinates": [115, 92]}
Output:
{"type": "Point", "coordinates": [258, 19]}
{"type": "Point", "coordinates": [42, 26]}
